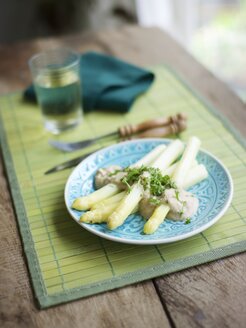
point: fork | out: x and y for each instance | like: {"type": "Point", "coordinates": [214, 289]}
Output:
{"type": "Point", "coordinates": [123, 132]}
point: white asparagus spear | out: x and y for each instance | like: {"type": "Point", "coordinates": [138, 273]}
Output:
{"type": "Point", "coordinates": [186, 161]}
{"type": "Point", "coordinates": [150, 157]}
{"type": "Point", "coordinates": [172, 151]}
{"type": "Point", "coordinates": [100, 215]}
{"type": "Point", "coordinates": [195, 175]}
{"type": "Point", "coordinates": [156, 219]}
{"type": "Point", "coordinates": [108, 201]}
{"type": "Point", "coordinates": [125, 207]}
{"type": "Point", "coordinates": [131, 200]}
{"type": "Point", "coordinates": [170, 170]}
{"type": "Point", "coordinates": [86, 202]}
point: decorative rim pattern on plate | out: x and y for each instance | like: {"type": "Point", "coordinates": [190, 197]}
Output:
{"type": "Point", "coordinates": [214, 194]}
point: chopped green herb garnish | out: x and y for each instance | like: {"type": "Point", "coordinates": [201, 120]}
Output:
{"type": "Point", "coordinates": [134, 173]}
{"type": "Point", "coordinates": [114, 173]}
{"type": "Point", "coordinates": [145, 182]}
{"type": "Point", "coordinates": [158, 182]}
{"type": "Point", "coordinates": [187, 221]}
{"type": "Point", "coordinates": [183, 205]}
{"type": "Point", "coordinates": [154, 201]}
{"type": "Point", "coordinates": [124, 180]}
{"type": "Point", "coordinates": [155, 181]}
{"type": "Point", "coordinates": [177, 194]}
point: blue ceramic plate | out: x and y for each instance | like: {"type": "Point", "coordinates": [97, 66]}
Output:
{"type": "Point", "coordinates": [214, 194]}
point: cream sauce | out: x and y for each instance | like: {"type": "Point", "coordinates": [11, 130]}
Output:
{"type": "Point", "coordinates": [183, 204]}
{"type": "Point", "coordinates": [104, 176]}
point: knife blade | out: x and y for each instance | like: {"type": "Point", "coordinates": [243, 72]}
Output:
{"type": "Point", "coordinates": [67, 164]}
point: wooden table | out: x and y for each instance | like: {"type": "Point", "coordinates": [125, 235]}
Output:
{"type": "Point", "coordinates": [210, 295]}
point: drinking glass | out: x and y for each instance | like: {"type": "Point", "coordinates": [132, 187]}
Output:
{"type": "Point", "coordinates": [58, 88]}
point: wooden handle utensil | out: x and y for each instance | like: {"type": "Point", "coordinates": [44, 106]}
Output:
{"type": "Point", "coordinates": [129, 130]}
{"type": "Point", "coordinates": [164, 131]}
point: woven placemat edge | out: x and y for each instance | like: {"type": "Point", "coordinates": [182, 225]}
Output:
{"type": "Point", "coordinates": [20, 214]}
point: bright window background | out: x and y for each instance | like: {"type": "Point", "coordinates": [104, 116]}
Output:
{"type": "Point", "coordinates": [214, 31]}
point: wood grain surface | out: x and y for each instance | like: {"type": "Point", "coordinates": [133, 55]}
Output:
{"type": "Point", "coordinates": [211, 295]}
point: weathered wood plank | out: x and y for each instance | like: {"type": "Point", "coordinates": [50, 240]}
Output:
{"type": "Point", "coordinates": [210, 295]}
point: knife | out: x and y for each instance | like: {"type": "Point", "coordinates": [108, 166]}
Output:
{"type": "Point", "coordinates": [66, 165]}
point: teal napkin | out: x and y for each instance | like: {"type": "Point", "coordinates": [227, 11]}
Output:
{"type": "Point", "coordinates": [107, 83]}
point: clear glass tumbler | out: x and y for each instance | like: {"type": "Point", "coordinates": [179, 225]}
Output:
{"type": "Point", "coordinates": [58, 88]}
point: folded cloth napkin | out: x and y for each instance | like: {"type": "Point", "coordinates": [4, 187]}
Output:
{"type": "Point", "coordinates": [107, 83]}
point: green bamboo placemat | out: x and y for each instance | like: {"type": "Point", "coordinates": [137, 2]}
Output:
{"type": "Point", "coordinates": [65, 261]}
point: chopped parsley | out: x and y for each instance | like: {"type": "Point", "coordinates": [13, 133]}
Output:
{"type": "Point", "coordinates": [183, 205]}
{"type": "Point", "coordinates": [154, 201]}
{"type": "Point", "coordinates": [156, 182]}
{"type": "Point", "coordinates": [124, 180]}
{"type": "Point", "coordinates": [187, 221]}
{"type": "Point", "coordinates": [145, 182]}
{"type": "Point", "coordinates": [177, 194]}
{"type": "Point", "coordinates": [114, 173]}
{"type": "Point", "coordinates": [134, 173]}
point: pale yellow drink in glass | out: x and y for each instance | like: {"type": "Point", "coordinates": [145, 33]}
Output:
{"type": "Point", "coordinates": [58, 89]}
